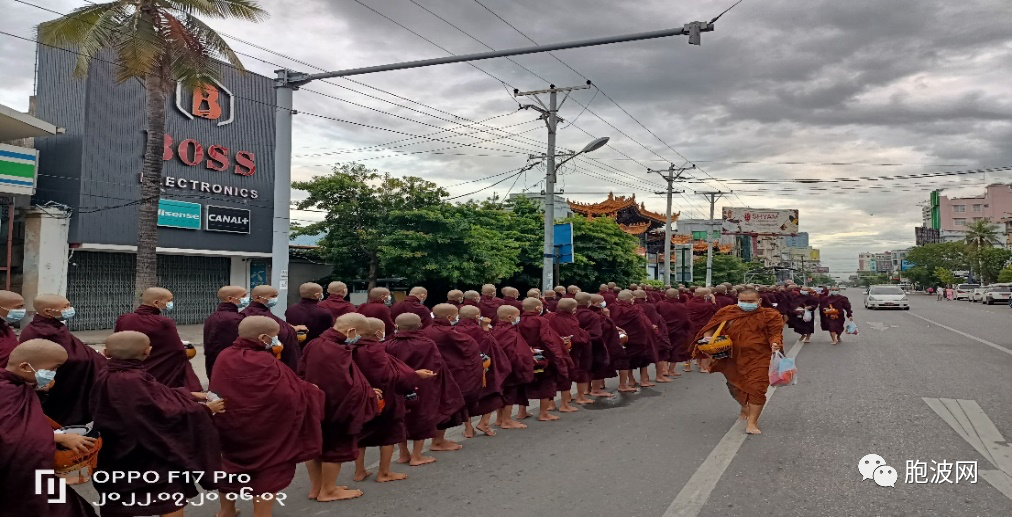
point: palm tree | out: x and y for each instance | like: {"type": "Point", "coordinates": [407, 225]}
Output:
{"type": "Point", "coordinates": [981, 234]}
{"type": "Point", "coordinates": [158, 42]}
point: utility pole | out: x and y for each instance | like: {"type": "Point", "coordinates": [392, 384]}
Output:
{"type": "Point", "coordinates": [712, 197]}
{"type": "Point", "coordinates": [670, 177]}
{"type": "Point", "coordinates": [550, 114]}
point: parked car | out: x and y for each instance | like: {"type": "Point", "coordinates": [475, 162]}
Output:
{"type": "Point", "coordinates": [997, 293]}
{"type": "Point", "coordinates": [977, 295]}
{"type": "Point", "coordinates": [963, 291]}
{"type": "Point", "coordinates": [886, 297]}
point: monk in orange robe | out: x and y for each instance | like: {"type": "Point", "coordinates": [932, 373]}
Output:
{"type": "Point", "coordinates": [756, 332]}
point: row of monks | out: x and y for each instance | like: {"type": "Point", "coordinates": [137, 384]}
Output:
{"type": "Point", "coordinates": [331, 379]}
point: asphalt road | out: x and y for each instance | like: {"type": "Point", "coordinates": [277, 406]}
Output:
{"type": "Point", "coordinates": [678, 449]}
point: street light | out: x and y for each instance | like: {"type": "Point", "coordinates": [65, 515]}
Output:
{"type": "Point", "coordinates": [589, 148]}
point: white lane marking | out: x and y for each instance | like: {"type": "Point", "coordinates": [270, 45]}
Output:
{"type": "Point", "coordinates": [982, 434]}
{"type": "Point", "coordinates": [693, 496]}
{"type": "Point", "coordinates": [964, 334]}
{"type": "Point", "coordinates": [952, 413]}
{"type": "Point", "coordinates": [881, 327]}
{"type": "Point", "coordinates": [999, 480]}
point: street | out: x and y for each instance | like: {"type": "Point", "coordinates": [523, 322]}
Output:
{"type": "Point", "coordinates": [678, 450]}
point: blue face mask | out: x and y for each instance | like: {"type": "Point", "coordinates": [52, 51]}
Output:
{"type": "Point", "coordinates": [68, 313]}
{"type": "Point", "coordinates": [749, 307]}
{"type": "Point", "coordinates": [603, 305]}
{"type": "Point", "coordinates": [16, 315]}
{"type": "Point", "coordinates": [275, 341]}
{"type": "Point", "coordinates": [352, 340]}
{"type": "Point", "coordinates": [243, 302]}
{"type": "Point", "coordinates": [455, 321]}
{"type": "Point", "coordinates": [516, 321]}
{"type": "Point", "coordinates": [169, 306]}
{"type": "Point", "coordinates": [43, 377]}
{"type": "Point", "coordinates": [271, 302]}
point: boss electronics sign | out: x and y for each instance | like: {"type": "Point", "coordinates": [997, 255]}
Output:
{"type": "Point", "coordinates": [758, 221]}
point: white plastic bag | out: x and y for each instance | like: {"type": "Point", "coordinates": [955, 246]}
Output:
{"type": "Point", "coordinates": [782, 371]}
{"type": "Point", "coordinates": [808, 316]}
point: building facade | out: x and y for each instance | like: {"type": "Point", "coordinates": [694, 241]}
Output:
{"type": "Point", "coordinates": [955, 214]}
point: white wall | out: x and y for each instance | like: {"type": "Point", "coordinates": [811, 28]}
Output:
{"type": "Point", "coordinates": [46, 253]}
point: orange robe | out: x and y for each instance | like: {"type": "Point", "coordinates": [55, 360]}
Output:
{"type": "Point", "coordinates": [752, 334]}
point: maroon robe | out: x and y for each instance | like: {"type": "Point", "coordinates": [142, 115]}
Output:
{"type": "Point", "coordinates": [617, 357]}
{"type": "Point", "coordinates": [676, 318]}
{"type": "Point", "coordinates": [641, 349]}
{"type": "Point", "coordinates": [412, 305]}
{"type": "Point", "coordinates": [513, 302]}
{"type": "Point", "coordinates": [309, 313]}
{"type": "Point", "coordinates": [700, 313]}
{"type": "Point", "coordinates": [654, 296]}
{"type": "Point", "coordinates": [350, 400]}
{"type": "Point", "coordinates": [147, 426]}
{"type": "Point", "coordinates": [8, 341]}
{"type": "Point", "coordinates": [662, 340]}
{"type": "Point", "coordinates": [538, 333]}
{"type": "Point", "coordinates": [272, 421]}
{"type": "Point", "coordinates": [590, 321]}
{"type": "Point", "coordinates": [379, 310]}
{"type": "Point", "coordinates": [221, 329]}
{"type": "Point", "coordinates": [550, 304]}
{"type": "Point", "coordinates": [521, 360]}
{"type": "Point", "coordinates": [580, 354]}
{"type": "Point", "coordinates": [462, 356]}
{"type": "Point", "coordinates": [494, 377]}
{"type": "Point", "coordinates": [337, 306]}
{"type": "Point", "coordinates": [289, 339]}
{"type": "Point", "coordinates": [489, 306]}
{"type": "Point", "coordinates": [395, 379]}
{"type": "Point", "coordinates": [67, 401]}
{"type": "Point", "coordinates": [438, 398]}
{"type": "Point", "coordinates": [167, 363]}
{"type": "Point", "coordinates": [724, 300]}
{"type": "Point", "coordinates": [609, 296]}
{"type": "Point", "coordinates": [27, 446]}
{"type": "Point", "coordinates": [840, 303]}
{"type": "Point", "coordinates": [796, 320]}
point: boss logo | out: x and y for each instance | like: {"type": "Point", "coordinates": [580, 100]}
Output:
{"type": "Point", "coordinates": [212, 101]}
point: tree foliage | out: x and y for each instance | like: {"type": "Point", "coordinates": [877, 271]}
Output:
{"type": "Point", "coordinates": [927, 259]}
{"type": "Point", "coordinates": [991, 262]}
{"type": "Point", "coordinates": [602, 253]}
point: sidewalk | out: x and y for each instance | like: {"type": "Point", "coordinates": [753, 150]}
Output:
{"type": "Point", "coordinates": [192, 333]}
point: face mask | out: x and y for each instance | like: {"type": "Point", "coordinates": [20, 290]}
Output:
{"type": "Point", "coordinates": [516, 321]}
{"type": "Point", "coordinates": [603, 305]}
{"type": "Point", "coordinates": [68, 313]}
{"type": "Point", "coordinates": [275, 341]}
{"type": "Point", "coordinates": [16, 315]}
{"type": "Point", "coordinates": [43, 377]}
{"type": "Point", "coordinates": [271, 302]}
{"type": "Point", "coordinates": [455, 321]}
{"type": "Point", "coordinates": [319, 296]}
{"type": "Point", "coordinates": [389, 299]}
{"type": "Point", "coordinates": [169, 306]}
{"type": "Point", "coordinates": [749, 307]}
{"type": "Point", "coordinates": [243, 302]}
{"type": "Point", "coordinates": [350, 340]}
{"type": "Point", "coordinates": [383, 338]}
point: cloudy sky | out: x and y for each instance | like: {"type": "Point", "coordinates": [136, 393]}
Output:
{"type": "Point", "coordinates": [799, 90]}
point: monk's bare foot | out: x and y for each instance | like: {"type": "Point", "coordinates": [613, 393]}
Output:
{"type": "Point", "coordinates": [362, 476]}
{"type": "Point", "coordinates": [744, 414]}
{"type": "Point", "coordinates": [552, 406]}
{"type": "Point", "coordinates": [628, 389]}
{"type": "Point", "coordinates": [647, 384]}
{"type": "Point", "coordinates": [674, 373]}
{"type": "Point", "coordinates": [547, 418]}
{"type": "Point", "coordinates": [424, 460]}
{"type": "Point", "coordinates": [662, 379]}
{"type": "Point", "coordinates": [566, 408]}
{"type": "Point", "coordinates": [688, 367]}
{"type": "Point", "coordinates": [523, 415]}
{"type": "Point", "coordinates": [486, 429]}
{"type": "Point", "coordinates": [403, 461]}
{"type": "Point", "coordinates": [514, 425]}
{"type": "Point", "coordinates": [468, 432]}
{"type": "Point", "coordinates": [446, 446]}
{"type": "Point", "coordinates": [751, 429]}
{"type": "Point", "coordinates": [583, 401]}
{"type": "Point", "coordinates": [704, 370]}
{"type": "Point", "coordinates": [338, 494]}
{"type": "Point", "coordinates": [393, 476]}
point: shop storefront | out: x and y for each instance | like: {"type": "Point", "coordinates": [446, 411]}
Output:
{"type": "Point", "coordinates": [215, 216]}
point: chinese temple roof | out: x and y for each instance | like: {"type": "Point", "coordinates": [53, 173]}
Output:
{"type": "Point", "coordinates": [633, 217]}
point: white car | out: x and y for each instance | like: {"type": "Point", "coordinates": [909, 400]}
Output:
{"type": "Point", "coordinates": [977, 295]}
{"type": "Point", "coordinates": [963, 291]}
{"type": "Point", "coordinates": [886, 297]}
{"type": "Point", "coordinates": [997, 293]}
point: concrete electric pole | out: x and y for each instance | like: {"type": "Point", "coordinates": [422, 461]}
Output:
{"type": "Point", "coordinates": [670, 177]}
{"type": "Point", "coordinates": [712, 197]}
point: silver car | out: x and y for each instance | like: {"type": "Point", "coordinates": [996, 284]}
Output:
{"type": "Point", "coordinates": [997, 293]}
{"type": "Point", "coordinates": [886, 297]}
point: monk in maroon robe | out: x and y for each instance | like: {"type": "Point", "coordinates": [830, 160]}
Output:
{"type": "Point", "coordinates": [676, 319]}
{"type": "Point", "coordinates": [565, 323]}
{"type": "Point", "coordinates": [550, 301]}
{"type": "Point", "coordinates": [521, 359]}
{"type": "Point", "coordinates": [533, 292]}
{"type": "Point", "coordinates": [389, 375]}
{"type": "Point", "coordinates": [803, 301]}
{"type": "Point", "coordinates": [721, 296]}
{"type": "Point", "coordinates": [454, 297]}
{"type": "Point", "coordinates": [494, 375]}
{"type": "Point", "coordinates": [27, 441]}
{"type": "Point", "coordinates": [221, 328]}
{"type": "Point", "coordinates": [335, 302]}
{"type": "Point", "coordinates": [511, 297]}
{"type": "Point", "coordinates": [641, 348]}
{"type": "Point", "coordinates": [414, 303]}
{"type": "Point", "coordinates": [12, 310]}
{"type": "Point", "coordinates": [147, 426]}
{"type": "Point", "coordinates": [590, 321]}
{"type": "Point", "coordinates": [67, 401]}
{"type": "Point", "coordinates": [489, 303]}
{"type": "Point", "coordinates": [376, 307]}
{"type": "Point", "coordinates": [616, 359]}
{"type": "Point", "coordinates": [701, 308]}
{"type": "Point", "coordinates": [661, 339]}
{"type": "Point", "coordinates": [550, 356]}
{"type": "Point", "coordinates": [571, 292]}
{"type": "Point", "coordinates": [604, 291]}
{"type": "Point", "coordinates": [167, 363]}
{"type": "Point", "coordinates": [264, 297]}
{"type": "Point", "coordinates": [471, 298]}
{"type": "Point", "coordinates": [273, 421]}
{"type": "Point", "coordinates": [833, 322]}
{"type": "Point", "coordinates": [308, 315]}
{"type": "Point", "coordinates": [435, 400]}
{"type": "Point", "coordinates": [462, 356]}
{"type": "Point", "coordinates": [350, 403]}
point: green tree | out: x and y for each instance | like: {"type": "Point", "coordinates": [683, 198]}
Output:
{"type": "Point", "coordinates": [1005, 276]}
{"type": "Point", "coordinates": [602, 253]}
{"type": "Point", "coordinates": [822, 279]}
{"type": "Point", "coordinates": [945, 276]}
{"type": "Point", "coordinates": [726, 268]}
{"type": "Point", "coordinates": [362, 208]}
{"type": "Point", "coordinates": [870, 280]}
{"type": "Point", "coordinates": [951, 256]}
{"type": "Point", "coordinates": [528, 223]}
{"type": "Point", "coordinates": [991, 263]}
{"type": "Point", "coordinates": [981, 235]}
{"type": "Point", "coordinates": [157, 42]}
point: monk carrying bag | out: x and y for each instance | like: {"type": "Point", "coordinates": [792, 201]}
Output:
{"type": "Point", "coordinates": [718, 347]}
{"type": "Point", "coordinates": [782, 370]}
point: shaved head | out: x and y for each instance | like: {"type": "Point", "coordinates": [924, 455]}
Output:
{"type": "Point", "coordinates": [507, 312]}
{"type": "Point", "coordinates": [534, 293]}
{"type": "Point", "coordinates": [311, 291]}
{"type": "Point", "coordinates": [231, 291]}
{"type": "Point", "coordinates": [596, 299]}
{"type": "Point", "coordinates": [444, 311]}
{"type": "Point", "coordinates": [509, 292]}
{"type": "Point", "coordinates": [550, 295]}
{"type": "Point", "coordinates": [264, 292]}
{"type": "Point", "coordinates": [672, 294]}
{"type": "Point", "coordinates": [455, 295]}
{"type": "Point", "coordinates": [582, 299]}
{"type": "Point", "coordinates": [472, 295]}
{"type": "Point", "coordinates": [560, 290]}
{"type": "Point", "coordinates": [640, 294]}
{"type": "Point", "coordinates": [11, 300]}
{"type": "Point", "coordinates": [408, 321]}
{"type": "Point", "coordinates": [155, 294]}
{"type": "Point", "coordinates": [379, 293]}
{"type": "Point", "coordinates": [625, 295]}
{"type": "Point", "coordinates": [376, 327]}
{"type": "Point", "coordinates": [720, 289]}
{"type": "Point", "coordinates": [352, 320]}
{"type": "Point", "coordinates": [337, 288]}
{"type": "Point", "coordinates": [611, 285]}
{"type": "Point", "coordinates": [470, 312]}
{"type": "Point", "coordinates": [573, 289]}
{"type": "Point", "coordinates": [252, 327]}
{"type": "Point", "coordinates": [127, 345]}
{"type": "Point", "coordinates": [603, 287]}
{"type": "Point", "coordinates": [532, 305]}
{"type": "Point", "coordinates": [567, 305]}
{"type": "Point", "coordinates": [701, 292]}
{"type": "Point", "coordinates": [50, 305]}
{"type": "Point", "coordinates": [488, 290]}
{"type": "Point", "coordinates": [418, 292]}
{"type": "Point", "coordinates": [40, 354]}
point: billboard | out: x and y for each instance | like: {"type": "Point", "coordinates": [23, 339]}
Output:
{"type": "Point", "coordinates": [759, 221]}
{"type": "Point", "coordinates": [18, 166]}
